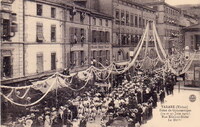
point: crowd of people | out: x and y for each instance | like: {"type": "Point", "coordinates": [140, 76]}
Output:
{"type": "Point", "coordinates": [132, 99]}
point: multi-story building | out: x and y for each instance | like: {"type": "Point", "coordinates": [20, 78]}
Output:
{"type": "Point", "coordinates": [130, 20]}
{"type": "Point", "coordinates": [44, 24]}
{"type": "Point", "coordinates": [192, 37]}
{"type": "Point", "coordinates": [167, 23]}
{"type": "Point", "coordinates": [77, 29]}
{"type": "Point", "coordinates": [12, 55]}
{"type": "Point", "coordinates": [101, 38]}
{"type": "Point", "coordinates": [52, 35]}
{"type": "Point", "coordinates": [192, 43]}
{"type": "Point", "coordinates": [187, 19]}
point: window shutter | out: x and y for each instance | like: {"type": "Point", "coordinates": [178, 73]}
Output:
{"type": "Point", "coordinates": [103, 36]}
{"type": "Point", "coordinates": [78, 35]}
{"type": "Point", "coordinates": [68, 59]}
{"type": "Point", "coordinates": [72, 32]}
{"type": "Point", "coordinates": [78, 58]}
{"type": "Point", "coordinates": [94, 36]}
{"type": "Point", "coordinates": [99, 55]}
{"type": "Point", "coordinates": [95, 55]}
{"type": "Point", "coordinates": [90, 36]}
{"type": "Point", "coordinates": [82, 58]}
{"type": "Point", "coordinates": [92, 55]}
{"type": "Point", "coordinates": [108, 55]}
{"type": "Point", "coordinates": [104, 55]}
{"type": "Point", "coordinates": [98, 36]}
{"type": "Point", "coordinates": [39, 31]}
{"type": "Point", "coordinates": [108, 37]}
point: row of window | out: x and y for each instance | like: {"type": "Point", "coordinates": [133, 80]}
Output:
{"type": "Point", "coordinates": [73, 13]}
{"type": "Point", "coordinates": [77, 35]}
{"type": "Point", "coordinates": [127, 39]}
{"type": "Point", "coordinates": [134, 5]}
{"type": "Point", "coordinates": [170, 20]}
{"type": "Point", "coordinates": [101, 56]}
{"type": "Point", "coordinates": [40, 33]}
{"type": "Point", "coordinates": [77, 58]}
{"type": "Point", "coordinates": [130, 19]}
{"type": "Point", "coordinates": [100, 22]}
{"type": "Point", "coordinates": [100, 36]}
{"type": "Point", "coordinates": [39, 8]}
{"type": "Point", "coordinates": [171, 11]}
{"type": "Point", "coordinates": [81, 17]}
{"type": "Point", "coordinates": [40, 62]}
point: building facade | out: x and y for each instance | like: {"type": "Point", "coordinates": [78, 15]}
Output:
{"type": "Point", "coordinates": [168, 24]}
{"type": "Point", "coordinates": [130, 20]}
{"type": "Point", "coordinates": [11, 54]}
{"type": "Point", "coordinates": [192, 43]}
{"type": "Point", "coordinates": [77, 29]}
{"type": "Point", "coordinates": [101, 39]}
{"type": "Point", "coordinates": [51, 35]}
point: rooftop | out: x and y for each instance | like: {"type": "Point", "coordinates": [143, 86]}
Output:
{"type": "Point", "coordinates": [162, 3]}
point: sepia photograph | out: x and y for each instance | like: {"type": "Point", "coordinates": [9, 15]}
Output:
{"type": "Point", "coordinates": [100, 63]}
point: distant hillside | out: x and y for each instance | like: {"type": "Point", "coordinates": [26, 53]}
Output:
{"type": "Point", "coordinates": [188, 6]}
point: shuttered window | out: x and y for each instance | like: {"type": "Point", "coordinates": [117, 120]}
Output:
{"type": "Point", "coordinates": [53, 12]}
{"type": "Point", "coordinates": [83, 35]}
{"type": "Point", "coordinates": [98, 36]}
{"type": "Point", "coordinates": [136, 21]}
{"type": "Point", "coordinates": [73, 58]}
{"type": "Point", "coordinates": [107, 55]}
{"type": "Point", "coordinates": [76, 35]}
{"type": "Point", "coordinates": [140, 22]}
{"type": "Point", "coordinates": [39, 9]}
{"type": "Point", "coordinates": [53, 33]}
{"type": "Point", "coordinates": [104, 57]}
{"type": "Point", "coordinates": [71, 34]}
{"type": "Point", "coordinates": [131, 20]}
{"type": "Point", "coordinates": [6, 29]}
{"type": "Point", "coordinates": [108, 37]}
{"type": "Point", "coordinates": [94, 39]}
{"type": "Point", "coordinates": [82, 57]}
{"type": "Point", "coordinates": [39, 32]}
{"type": "Point", "coordinates": [40, 66]}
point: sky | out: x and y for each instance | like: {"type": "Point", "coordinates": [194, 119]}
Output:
{"type": "Point", "coordinates": [180, 2]}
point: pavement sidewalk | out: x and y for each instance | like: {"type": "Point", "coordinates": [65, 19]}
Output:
{"type": "Point", "coordinates": [182, 87]}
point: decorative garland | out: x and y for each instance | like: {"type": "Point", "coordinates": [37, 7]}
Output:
{"type": "Point", "coordinates": [31, 104]}
{"type": "Point", "coordinates": [169, 63]}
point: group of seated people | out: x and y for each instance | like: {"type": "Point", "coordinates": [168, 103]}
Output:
{"type": "Point", "coordinates": [132, 100]}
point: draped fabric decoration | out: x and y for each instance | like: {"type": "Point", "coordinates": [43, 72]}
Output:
{"type": "Point", "coordinates": [176, 63]}
{"type": "Point", "coordinates": [54, 82]}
